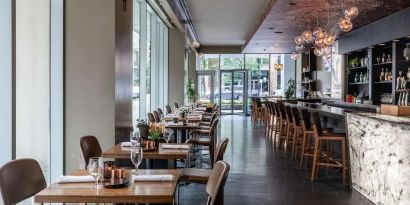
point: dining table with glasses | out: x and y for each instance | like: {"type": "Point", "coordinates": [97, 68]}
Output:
{"type": "Point", "coordinates": [167, 151]}
{"type": "Point", "coordinates": [149, 186]}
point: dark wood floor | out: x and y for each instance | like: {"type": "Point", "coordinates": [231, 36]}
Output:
{"type": "Point", "coordinates": [261, 174]}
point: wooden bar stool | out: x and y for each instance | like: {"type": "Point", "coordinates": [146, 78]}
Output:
{"type": "Point", "coordinates": [269, 121]}
{"type": "Point", "coordinates": [276, 120]}
{"type": "Point", "coordinates": [308, 137]}
{"type": "Point", "coordinates": [325, 158]}
{"type": "Point", "coordinates": [283, 124]}
{"type": "Point", "coordinates": [297, 132]}
{"type": "Point", "coordinates": [289, 128]}
{"type": "Point", "coordinates": [272, 119]}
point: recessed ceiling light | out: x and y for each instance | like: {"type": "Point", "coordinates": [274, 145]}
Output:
{"type": "Point", "coordinates": [278, 32]}
{"type": "Point", "coordinates": [271, 28]}
{"type": "Point", "coordinates": [396, 40]}
{"type": "Point", "coordinates": [292, 3]}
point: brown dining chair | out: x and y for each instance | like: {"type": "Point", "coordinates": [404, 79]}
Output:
{"type": "Point", "coordinates": [176, 105]}
{"type": "Point", "coordinates": [200, 176]}
{"type": "Point", "coordinates": [216, 183]}
{"type": "Point", "coordinates": [151, 117]}
{"type": "Point", "coordinates": [207, 141]}
{"type": "Point", "coordinates": [20, 179]}
{"type": "Point", "coordinates": [168, 109]}
{"type": "Point", "coordinates": [90, 147]}
{"type": "Point", "coordinates": [157, 118]}
{"type": "Point", "coordinates": [160, 112]}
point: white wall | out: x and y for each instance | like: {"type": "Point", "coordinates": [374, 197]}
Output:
{"type": "Point", "coordinates": [324, 77]}
{"type": "Point", "coordinates": [89, 75]}
{"type": "Point", "coordinates": [176, 49]}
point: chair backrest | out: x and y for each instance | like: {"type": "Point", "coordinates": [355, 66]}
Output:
{"type": "Point", "coordinates": [157, 118]}
{"type": "Point", "coordinates": [295, 116]}
{"type": "Point", "coordinates": [289, 113]}
{"type": "Point", "coordinates": [217, 181]}
{"type": "Point", "coordinates": [258, 102]}
{"type": "Point", "coordinates": [317, 125]}
{"type": "Point", "coordinates": [168, 109]}
{"type": "Point", "coordinates": [90, 147]}
{"type": "Point", "coordinates": [220, 149]}
{"type": "Point", "coordinates": [213, 134]}
{"type": "Point", "coordinates": [307, 125]}
{"type": "Point", "coordinates": [20, 179]}
{"type": "Point", "coordinates": [276, 107]}
{"type": "Point", "coordinates": [282, 110]}
{"type": "Point", "coordinates": [176, 105]}
{"type": "Point", "coordinates": [160, 111]}
{"type": "Point", "coordinates": [213, 117]}
{"type": "Point", "coordinates": [151, 117]}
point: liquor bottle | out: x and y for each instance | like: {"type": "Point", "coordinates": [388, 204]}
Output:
{"type": "Point", "coordinates": [388, 58]}
{"type": "Point", "coordinates": [384, 58]}
{"type": "Point", "coordinates": [408, 73]}
{"type": "Point", "coordinates": [386, 75]}
{"type": "Point", "coordinates": [355, 78]}
{"type": "Point", "coordinates": [361, 77]}
{"type": "Point", "coordinates": [381, 75]}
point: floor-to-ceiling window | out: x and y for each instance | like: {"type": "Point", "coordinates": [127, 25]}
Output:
{"type": "Point", "coordinates": [150, 43]}
{"type": "Point", "coordinates": [236, 76]}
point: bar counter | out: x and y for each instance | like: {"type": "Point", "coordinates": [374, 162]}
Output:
{"type": "Point", "coordinates": [379, 152]}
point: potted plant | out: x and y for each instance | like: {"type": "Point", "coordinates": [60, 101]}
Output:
{"type": "Point", "coordinates": [191, 92]}
{"type": "Point", "coordinates": [155, 136]}
{"type": "Point", "coordinates": [182, 112]}
{"type": "Point", "coordinates": [143, 128]}
{"type": "Point", "coordinates": [291, 89]}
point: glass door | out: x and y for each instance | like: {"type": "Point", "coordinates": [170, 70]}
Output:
{"type": "Point", "coordinates": [206, 86]}
{"type": "Point", "coordinates": [232, 92]}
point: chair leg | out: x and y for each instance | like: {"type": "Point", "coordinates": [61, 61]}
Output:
{"type": "Point", "coordinates": [302, 154]}
{"type": "Point", "coordinates": [315, 153]}
{"type": "Point", "coordinates": [344, 161]}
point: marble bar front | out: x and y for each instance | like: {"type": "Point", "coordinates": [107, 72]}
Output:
{"type": "Point", "coordinates": [379, 151]}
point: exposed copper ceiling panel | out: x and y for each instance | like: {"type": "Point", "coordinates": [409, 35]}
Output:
{"type": "Point", "coordinates": [282, 20]}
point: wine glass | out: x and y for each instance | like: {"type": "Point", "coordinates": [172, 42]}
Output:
{"type": "Point", "coordinates": [95, 168]}
{"type": "Point", "coordinates": [134, 138]}
{"type": "Point", "coordinates": [167, 134]}
{"type": "Point", "coordinates": [136, 158]}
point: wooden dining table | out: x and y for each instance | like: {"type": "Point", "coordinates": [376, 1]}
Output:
{"type": "Point", "coordinates": [135, 192]}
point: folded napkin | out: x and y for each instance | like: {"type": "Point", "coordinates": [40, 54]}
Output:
{"type": "Point", "coordinates": [172, 123]}
{"type": "Point", "coordinates": [126, 144]}
{"type": "Point", "coordinates": [175, 146]}
{"type": "Point", "coordinates": [75, 179]}
{"type": "Point", "coordinates": [153, 178]}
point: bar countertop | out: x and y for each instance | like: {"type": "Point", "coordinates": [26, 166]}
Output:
{"type": "Point", "coordinates": [388, 118]}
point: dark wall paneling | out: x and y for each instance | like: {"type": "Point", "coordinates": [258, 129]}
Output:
{"type": "Point", "coordinates": [123, 70]}
{"type": "Point", "coordinates": [386, 29]}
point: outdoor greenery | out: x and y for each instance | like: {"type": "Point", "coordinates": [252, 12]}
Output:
{"type": "Point", "coordinates": [191, 92]}
{"type": "Point", "coordinates": [291, 89]}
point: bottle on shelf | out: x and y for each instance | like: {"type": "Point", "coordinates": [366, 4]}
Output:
{"type": "Point", "coordinates": [390, 76]}
{"type": "Point", "coordinates": [384, 58]}
{"type": "Point", "coordinates": [386, 75]}
{"type": "Point", "coordinates": [381, 77]}
{"type": "Point", "coordinates": [361, 77]}
{"type": "Point", "coordinates": [408, 73]}
{"type": "Point", "coordinates": [388, 58]}
{"type": "Point", "coordinates": [355, 78]}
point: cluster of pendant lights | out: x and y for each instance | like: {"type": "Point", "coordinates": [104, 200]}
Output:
{"type": "Point", "coordinates": [321, 39]}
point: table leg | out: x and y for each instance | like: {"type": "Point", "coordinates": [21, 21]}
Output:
{"type": "Point", "coordinates": [171, 164]}
{"type": "Point", "coordinates": [179, 136]}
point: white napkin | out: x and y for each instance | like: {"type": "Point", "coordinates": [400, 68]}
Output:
{"type": "Point", "coordinates": [175, 146]}
{"type": "Point", "coordinates": [173, 123]}
{"type": "Point", "coordinates": [153, 178]}
{"type": "Point", "coordinates": [126, 144]}
{"type": "Point", "coordinates": [75, 179]}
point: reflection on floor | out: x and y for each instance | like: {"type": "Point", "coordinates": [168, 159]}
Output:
{"type": "Point", "coordinates": [262, 175]}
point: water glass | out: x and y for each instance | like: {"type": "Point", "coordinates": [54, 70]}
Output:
{"type": "Point", "coordinates": [167, 134]}
{"type": "Point", "coordinates": [95, 168]}
{"type": "Point", "coordinates": [134, 138]}
{"type": "Point", "coordinates": [136, 158]}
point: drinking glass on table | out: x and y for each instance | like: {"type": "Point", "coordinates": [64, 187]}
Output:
{"type": "Point", "coordinates": [136, 158]}
{"type": "Point", "coordinates": [134, 138]}
{"type": "Point", "coordinates": [95, 168]}
{"type": "Point", "coordinates": [167, 134]}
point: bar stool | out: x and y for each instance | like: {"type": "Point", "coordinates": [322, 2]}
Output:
{"type": "Point", "coordinates": [297, 132]}
{"type": "Point", "coordinates": [281, 132]}
{"type": "Point", "coordinates": [276, 120]}
{"type": "Point", "coordinates": [324, 158]}
{"type": "Point", "coordinates": [269, 121]}
{"type": "Point", "coordinates": [289, 127]}
{"type": "Point", "coordinates": [258, 112]}
{"type": "Point", "coordinates": [308, 137]}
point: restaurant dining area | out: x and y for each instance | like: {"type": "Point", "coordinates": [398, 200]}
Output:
{"type": "Point", "coordinates": [212, 102]}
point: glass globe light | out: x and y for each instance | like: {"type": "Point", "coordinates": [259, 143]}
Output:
{"type": "Point", "coordinates": [307, 36]}
{"type": "Point", "coordinates": [195, 44]}
{"type": "Point", "coordinates": [319, 42]}
{"type": "Point", "coordinates": [299, 40]}
{"type": "Point", "coordinates": [318, 51]}
{"type": "Point", "coordinates": [318, 32]}
{"type": "Point", "coordinates": [345, 24]}
{"type": "Point", "coordinates": [329, 38]}
{"type": "Point", "coordinates": [352, 12]}
{"type": "Point", "coordinates": [294, 56]}
{"type": "Point", "coordinates": [200, 55]}
{"type": "Point", "coordinates": [299, 47]}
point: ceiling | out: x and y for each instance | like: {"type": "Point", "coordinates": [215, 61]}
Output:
{"type": "Point", "coordinates": [224, 22]}
{"type": "Point", "coordinates": [288, 19]}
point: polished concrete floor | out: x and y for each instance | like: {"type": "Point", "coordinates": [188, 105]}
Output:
{"type": "Point", "coordinates": [261, 174]}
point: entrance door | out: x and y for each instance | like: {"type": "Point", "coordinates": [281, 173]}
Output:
{"type": "Point", "coordinates": [206, 86]}
{"type": "Point", "coordinates": [232, 92]}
